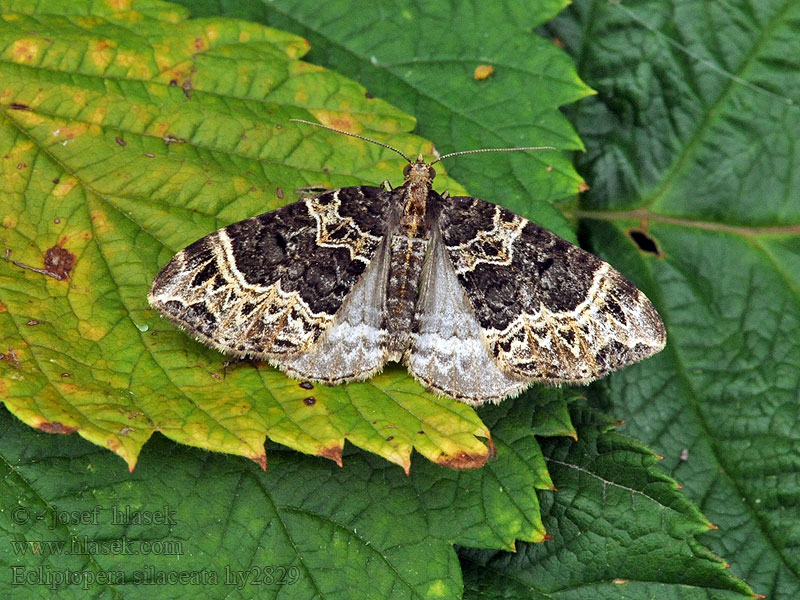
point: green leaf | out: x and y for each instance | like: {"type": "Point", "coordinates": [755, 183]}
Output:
{"type": "Point", "coordinates": [487, 508]}
{"type": "Point", "coordinates": [327, 530]}
{"type": "Point", "coordinates": [618, 525]}
{"type": "Point", "coordinates": [692, 138]}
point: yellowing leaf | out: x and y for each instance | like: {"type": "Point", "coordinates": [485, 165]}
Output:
{"type": "Point", "coordinates": [123, 143]}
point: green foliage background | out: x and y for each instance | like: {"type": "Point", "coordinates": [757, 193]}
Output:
{"type": "Point", "coordinates": [691, 138]}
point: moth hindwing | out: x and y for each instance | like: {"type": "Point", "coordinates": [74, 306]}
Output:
{"type": "Point", "coordinates": [477, 301]}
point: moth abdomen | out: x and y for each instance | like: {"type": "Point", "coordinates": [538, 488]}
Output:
{"type": "Point", "coordinates": [402, 291]}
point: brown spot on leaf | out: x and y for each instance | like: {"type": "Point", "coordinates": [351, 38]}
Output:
{"type": "Point", "coordinates": [57, 221]}
{"type": "Point", "coordinates": [120, 141]}
{"type": "Point", "coordinates": [310, 401]}
{"type": "Point", "coordinates": [56, 427]}
{"type": "Point", "coordinates": [483, 72]}
{"type": "Point", "coordinates": [548, 537]}
{"type": "Point", "coordinates": [56, 180]}
{"type": "Point", "coordinates": [333, 452]}
{"type": "Point", "coordinates": [32, 322]}
{"type": "Point", "coordinates": [558, 42]}
{"type": "Point", "coordinates": [19, 106]}
{"type": "Point", "coordinates": [342, 123]}
{"type": "Point", "coordinates": [390, 438]}
{"type": "Point", "coordinates": [149, 155]}
{"type": "Point", "coordinates": [368, 95]}
{"type": "Point", "coordinates": [59, 262]}
{"type": "Point", "coordinates": [583, 187]}
{"type": "Point", "coordinates": [21, 165]}
{"type": "Point", "coordinates": [279, 193]}
{"type": "Point", "coordinates": [492, 451]}
{"type": "Point", "coordinates": [3, 307]}
{"type": "Point", "coordinates": [11, 357]}
{"type": "Point", "coordinates": [307, 385]}
{"type": "Point", "coordinates": [463, 460]}
{"type": "Point", "coordinates": [66, 375]}
{"type": "Point", "coordinates": [260, 460]}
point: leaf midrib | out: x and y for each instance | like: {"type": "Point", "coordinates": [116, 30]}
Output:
{"type": "Point", "coordinates": [644, 214]}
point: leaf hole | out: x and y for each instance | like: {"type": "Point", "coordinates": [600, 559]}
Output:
{"type": "Point", "coordinates": [644, 242]}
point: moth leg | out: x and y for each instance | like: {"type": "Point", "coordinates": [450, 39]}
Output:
{"type": "Point", "coordinates": [235, 361]}
{"type": "Point", "coordinates": [310, 192]}
{"type": "Point", "coordinates": [446, 195]}
{"type": "Point", "coordinates": [386, 185]}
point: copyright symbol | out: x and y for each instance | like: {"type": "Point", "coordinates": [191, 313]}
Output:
{"type": "Point", "coordinates": [20, 515]}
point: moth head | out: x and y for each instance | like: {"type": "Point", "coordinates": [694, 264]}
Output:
{"type": "Point", "coordinates": [419, 172]}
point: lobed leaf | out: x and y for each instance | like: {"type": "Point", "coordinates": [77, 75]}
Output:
{"type": "Point", "coordinates": [618, 525]}
{"type": "Point", "coordinates": [301, 528]}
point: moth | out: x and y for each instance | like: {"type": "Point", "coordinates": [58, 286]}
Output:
{"type": "Point", "coordinates": [477, 301]}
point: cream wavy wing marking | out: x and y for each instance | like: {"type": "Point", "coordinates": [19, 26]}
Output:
{"type": "Point", "coordinates": [270, 286]}
{"type": "Point", "coordinates": [548, 310]}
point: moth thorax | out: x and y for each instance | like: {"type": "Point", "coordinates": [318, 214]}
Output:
{"type": "Point", "coordinates": [415, 205]}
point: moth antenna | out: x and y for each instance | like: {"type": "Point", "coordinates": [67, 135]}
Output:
{"type": "Point", "coordinates": [493, 150]}
{"type": "Point", "coordinates": [355, 135]}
